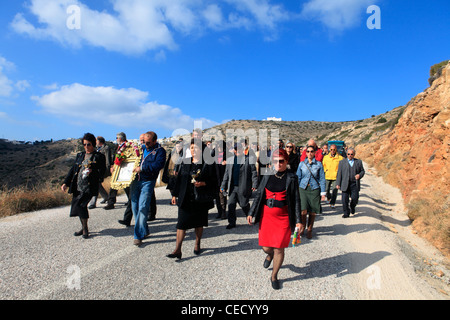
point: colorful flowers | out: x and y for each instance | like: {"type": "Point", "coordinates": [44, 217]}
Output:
{"type": "Point", "coordinates": [121, 155]}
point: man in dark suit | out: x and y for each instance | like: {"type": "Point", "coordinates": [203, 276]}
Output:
{"type": "Point", "coordinates": [103, 148]}
{"type": "Point", "coordinates": [239, 180]}
{"type": "Point", "coordinates": [350, 172]}
{"type": "Point", "coordinates": [121, 138]}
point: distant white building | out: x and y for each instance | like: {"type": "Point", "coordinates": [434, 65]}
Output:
{"type": "Point", "coordinates": [272, 119]}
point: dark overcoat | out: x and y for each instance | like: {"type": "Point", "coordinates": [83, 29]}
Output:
{"type": "Point", "coordinates": [343, 174]}
{"type": "Point", "coordinates": [183, 179]}
{"type": "Point", "coordinates": [248, 178]}
{"type": "Point", "coordinates": [98, 167]}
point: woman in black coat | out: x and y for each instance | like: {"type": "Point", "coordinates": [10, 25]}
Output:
{"type": "Point", "coordinates": [83, 181]}
{"type": "Point", "coordinates": [277, 209]}
{"type": "Point", "coordinates": [193, 193]}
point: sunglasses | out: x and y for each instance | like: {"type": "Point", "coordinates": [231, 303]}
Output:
{"type": "Point", "coordinates": [288, 146]}
{"type": "Point", "coordinates": [279, 161]}
{"type": "Point", "coordinates": [350, 154]}
{"type": "Point", "coordinates": [87, 144]}
{"type": "Point", "coordinates": [310, 151]}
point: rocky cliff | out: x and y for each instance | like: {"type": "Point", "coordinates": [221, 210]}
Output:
{"type": "Point", "coordinates": [414, 157]}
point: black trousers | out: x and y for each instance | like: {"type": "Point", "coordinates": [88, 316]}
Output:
{"type": "Point", "coordinates": [353, 193]}
{"type": "Point", "coordinates": [113, 195]}
{"type": "Point", "coordinates": [233, 199]}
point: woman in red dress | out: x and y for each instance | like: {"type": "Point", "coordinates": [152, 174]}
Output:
{"type": "Point", "coordinates": [277, 209]}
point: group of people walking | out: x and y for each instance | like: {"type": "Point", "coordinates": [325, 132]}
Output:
{"type": "Point", "coordinates": [288, 192]}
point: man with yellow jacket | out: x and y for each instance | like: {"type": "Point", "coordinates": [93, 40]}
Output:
{"type": "Point", "coordinates": [330, 165]}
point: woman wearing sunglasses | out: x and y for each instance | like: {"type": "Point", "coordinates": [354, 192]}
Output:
{"type": "Point", "coordinates": [311, 179]}
{"type": "Point", "coordinates": [83, 181]}
{"type": "Point", "coordinates": [277, 209]}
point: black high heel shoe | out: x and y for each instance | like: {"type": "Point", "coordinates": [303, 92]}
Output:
{"type": "Point", "coordinates": [197, 252]}
{"type": "Point", "coordinates": [174, 255]}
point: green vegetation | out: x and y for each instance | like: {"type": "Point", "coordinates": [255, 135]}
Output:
{"type": "Point", "coordinates": [437, 66]}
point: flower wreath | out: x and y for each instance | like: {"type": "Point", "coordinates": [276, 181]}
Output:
{"type": "Point", "coordinates": [120, 155]}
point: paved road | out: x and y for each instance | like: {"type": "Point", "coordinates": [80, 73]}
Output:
{"type": "Point", "coordinates": [357, 258]}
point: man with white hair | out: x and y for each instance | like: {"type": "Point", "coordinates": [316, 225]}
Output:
{"type": "Point", "coordinates": [349, 175]}
{"type": "Point", "coordinates": [121, 138]}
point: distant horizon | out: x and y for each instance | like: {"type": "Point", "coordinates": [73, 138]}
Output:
{"type": "Point", "coordinates": [105, 67]}
{"type": "Point", "coordinates": [159, 137]}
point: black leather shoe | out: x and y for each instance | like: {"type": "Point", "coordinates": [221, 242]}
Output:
{"type": "Point", "coordinates": [275, 284]}
{"type": "Point", "coordinates": [109, 207]}
{"type": "Point", "coordinates": [79, 233]}
{"type": "Point", "coordinates": [267, 263]}
{"type": "Point", "coordinates": [197, 252]}
{"type": "Point", "coordinates": [124, 223]}
{"type": "Point", "coordinates": [345, 216]}
{"type": "Point", "coordinates": [174, 255]}
{"type": "Point", "coordinates": [231, 226]}
{"type": "Point", "coordinates": [92, 206]}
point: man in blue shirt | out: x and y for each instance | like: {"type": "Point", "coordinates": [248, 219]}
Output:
{"type": "Point", "coordinates": [141, 190]}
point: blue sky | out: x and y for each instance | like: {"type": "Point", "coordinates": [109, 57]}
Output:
{"type": "Point", "coordinates": [160, 65]}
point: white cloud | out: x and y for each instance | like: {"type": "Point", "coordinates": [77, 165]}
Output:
{"type": "Point", "coordinates": [264, 13]}
{"type": "Point", "coordinates": [7, 86]}
{"type": "Point", "coordinates": [120, 107]}
{"type": "Point", "coordinates": [22, 85]}
{"type": "Point", "coordinates": [138, 26]}
{"type": "Point", "coordinates": [337, 15]}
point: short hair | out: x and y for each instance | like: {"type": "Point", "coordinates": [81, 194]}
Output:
{"type": "Point", "coordinates": [152, 135]}
{"type": "Point", "coordinates": [89, 137]}
{"type": "Point", "coordinates": [314, 148]}
{"type": "Point", "coordinates": [122, 136]}
{"type": "Point", "coordinates": [101, 139]}
{"type": "Point", "coordinates": [351, 149]}
{"type": "Point", "coordinates": [280, 153]}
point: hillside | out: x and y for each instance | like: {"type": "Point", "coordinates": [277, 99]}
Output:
{"type": "Point", "coordinates": [28, 164]}
{"type": "Point", "coordinates": [414, 157]}
{"type": "Point", "coordinates": [353, 133]}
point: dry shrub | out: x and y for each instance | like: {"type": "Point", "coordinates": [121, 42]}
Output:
{"type": "Point", "coordinates": [431, 220]}
{"type": "Point", "coordinates": [20, 200]}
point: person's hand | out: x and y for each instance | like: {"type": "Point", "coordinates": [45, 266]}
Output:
{"type": "Point", "coordinates": [199, 184]}
{"type": "Point", "coordinates": [112, 169]}
{"type": "Point", "coordinates": [249, 220]}
{"type": "Point", "coordinates": [324, 198]}
{"type": "Point", "coordinates": [357, 177]}
{"type": "Point", "coordinates": [137, 169]}
{"type": "Point", "coordinates": [174, 200]}
{"type": "Point", "coordinates": [338, 187]}
{"type": "Point", "coordinates": [253, 189]}
{"type": "Point", "coordinates": [64, 188]}
{"type": "Point", "coordinates": [299, 225]}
